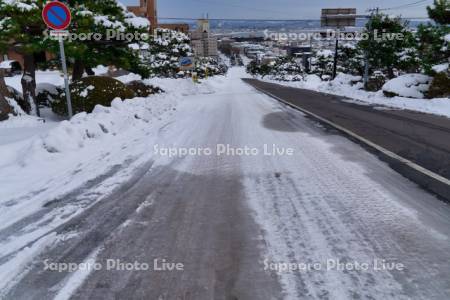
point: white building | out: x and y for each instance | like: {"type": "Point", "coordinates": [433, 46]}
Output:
{"type": "Point", "coordinates": [202, 42]}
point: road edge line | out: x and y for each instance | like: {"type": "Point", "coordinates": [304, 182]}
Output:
{"type": "Point", "coordinates": [384, 151]}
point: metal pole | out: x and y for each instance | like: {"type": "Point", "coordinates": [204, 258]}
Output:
{"type": "Point", "coordinates": [366, 53]}
{"type": "Point", "coordinates": [336, 55]}
{"type": "Point", "coordinates": [66, 77]}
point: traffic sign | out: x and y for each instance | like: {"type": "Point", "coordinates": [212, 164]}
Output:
{"type": "Point", "coordinates": [186, 63]}
{"type": "Point", "coordinates": [56, 15]}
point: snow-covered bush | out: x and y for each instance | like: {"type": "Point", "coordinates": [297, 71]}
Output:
{"type": "Point", "coordinates": [46, 93]}
{"type": "Point", "coordinates": [440, 86]}
{"type": "Point", "coordinates": [409, 85]}
{"type": "Point", "coordinates": [322, 64]}
{"type": "Point", "coordinates": [142, 89]}
{"type": "Point", "coordinates": [432, 47]}
{"type": "Point", "coordinates": [375, 82]}
{"type": "Point", "coordinates": [347, 79]}
{"type": "Point", "coordinates": [350, 59]}
{"type": "Point", "coordinates": [256, 69]}
{"type": "Point", "coordinates": [5, 109]}
{"type": "Point", "coordinates": [166, 48]}
{"type": "Point", "coordinates": [208, 66]}
{"type": "Point", "coordinates": [89, 91]}
{"type": "Point", "coordinates": [282, 69]}
{"type": "Point", "coordinates": [17, 97]}
{"type": "Point", "coordinates": [286, 69]}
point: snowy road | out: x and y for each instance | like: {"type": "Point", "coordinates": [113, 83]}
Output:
{"type": "Point", "coordinates": [231, 220]}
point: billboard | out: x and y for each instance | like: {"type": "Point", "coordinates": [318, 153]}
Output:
{"type": "Point", "coordinates": [338, 17]}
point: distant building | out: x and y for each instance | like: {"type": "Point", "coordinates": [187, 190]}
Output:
{"type": "Point", "coordinates": [180, 27]}
{"type": "Point", "coordinates": [146, 9]}
{"type": "Point", "coordinates": [202, 42]}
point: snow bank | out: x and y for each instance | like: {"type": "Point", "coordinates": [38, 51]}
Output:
{"type": "Point", "coordinates": [353, 93]}
{"type": "Point", "coordinates": [441, 68]}
{"type": "Point", "coordinates": [409, 85]}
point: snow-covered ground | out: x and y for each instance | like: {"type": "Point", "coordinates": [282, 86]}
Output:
{"type": "Point", "coordinates": [330, 200]}
{"type": "Point", "coordinates": [341, 86]}
{"type": "Point", "coordinates": [24, 127]}
{"type": "Point", "coordinates": [43, 163]}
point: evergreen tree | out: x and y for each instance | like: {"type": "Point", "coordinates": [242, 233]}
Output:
{"type": "Point", "coordinates": [431, 44]}
{"type": "Point", "coordinates": [322, 63]}
{"type": "Point", "coordinates": [440, 13]}
{"type": "Point", "coordinates": [113, 22]}
{"type": "Point", "coordinates": [21, 31]}
{"type": "Point", "coordinates": [350, 59]}
{"type": "Point", "coordinates": [385, 50]}
{"type": "Point", "coordinates": [166, 47]}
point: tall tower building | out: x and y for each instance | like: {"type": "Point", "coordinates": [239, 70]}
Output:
{"type": "Point", "coordinates": [152, 11]}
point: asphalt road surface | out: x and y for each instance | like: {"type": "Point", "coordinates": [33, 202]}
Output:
{"type": "Point", "coordinates": [421, 138]}
{"type": "Point", "coordinates": [233, 220]}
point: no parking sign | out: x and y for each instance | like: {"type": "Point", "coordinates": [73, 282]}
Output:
{"type": "Point", "coordinates": [56, 15]}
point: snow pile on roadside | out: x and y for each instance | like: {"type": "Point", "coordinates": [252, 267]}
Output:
{"type": "Point", "coordinates": [441, 68]}
{"type": "Point", "coordinates": [354, 94]}
{"type": "Point", "coordinates": [90, 134]}
{"type": "Point", "coordinates": [409, 85]}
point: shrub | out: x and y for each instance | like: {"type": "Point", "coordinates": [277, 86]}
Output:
{"type": "Point", "coordinates": [18, 97]}
{"type": "Point", "coordinates": [440, 86]}
{"type": "Point", "coordinates": [141, 89]}
{"type": "Point", "coordinates": [89, 91]}
{"type": "Point", "coordinates": [46, 93]}
{"type": "Point", "coordinates": [409, 85]}
{"type": "Point", "coordinates": [375, 82]}
{"type": "Point", "coordinates": [5, 109]}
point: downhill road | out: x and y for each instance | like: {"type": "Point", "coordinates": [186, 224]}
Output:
{"type": "Point", "coordinates": [232, 219]}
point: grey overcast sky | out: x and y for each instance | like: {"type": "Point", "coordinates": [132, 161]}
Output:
{"type": "Point", "coordinates": [279, 9]}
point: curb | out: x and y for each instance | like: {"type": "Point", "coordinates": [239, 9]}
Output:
{"type": "Point", "coordinates": [427, 179]}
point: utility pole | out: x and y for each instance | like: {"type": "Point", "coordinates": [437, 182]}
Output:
{"type": "Point", "coordinates": [366, 54]}
{"type": "Point", "coordinates": [336, 48]}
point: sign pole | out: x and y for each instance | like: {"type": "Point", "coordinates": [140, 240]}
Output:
{"type": "Point", "coordinates": [57, 16]}
{"type": "Point", "coordinates": [66, 77]}
{"type": "Point", "coordinates": [336, 49]}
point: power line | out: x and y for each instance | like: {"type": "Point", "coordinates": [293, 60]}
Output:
{"type": "Point", "coordinates": [417, 3]}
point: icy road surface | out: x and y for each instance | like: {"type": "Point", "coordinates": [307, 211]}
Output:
{"type": "Point", "coordinates": [234, 221]}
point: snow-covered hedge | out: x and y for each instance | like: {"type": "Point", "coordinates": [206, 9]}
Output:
{"type": "Point", "coordinates": [281, 69]}
{"type": "Point", "coordinates": [409, 85]}
{"type": "Point", "coordinates": [91, 91]}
